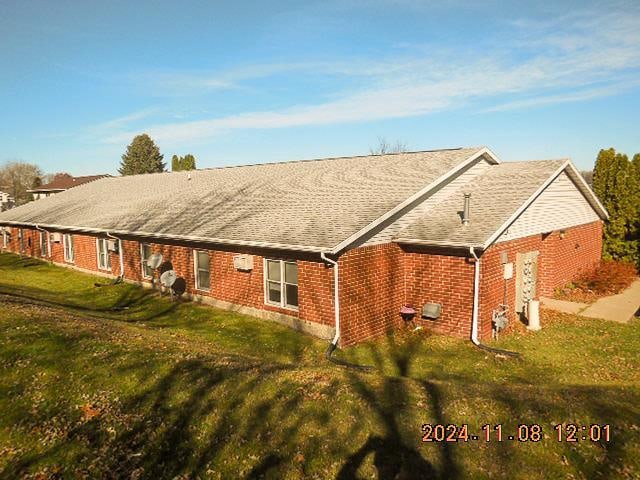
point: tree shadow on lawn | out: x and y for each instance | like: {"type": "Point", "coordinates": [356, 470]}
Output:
{"type": "Point", "coordinates": [127, 304]}
{"type": "Point", "coordinates": [242, 418]}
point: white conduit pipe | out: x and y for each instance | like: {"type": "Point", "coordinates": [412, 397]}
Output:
{"type": "Point", "coordinates": [120, 254]}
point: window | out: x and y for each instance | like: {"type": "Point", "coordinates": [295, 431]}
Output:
{"type": "Point", "coordinates": [202, 270]}
{"type": "Point", "coordinates": [281, 283]}
{"type": "Point", "coordinates": [5, 239]}
{"type": "Point", "coordinates": [145, 253]}
{"type": "Point", "coordinates": [21, 240]}
{"type": "Point", "coordinates": [67, 242]}
{"type": "Point", "coordinates": [104, 259]}
{"type": "Point", "coordinates": [44, 244]}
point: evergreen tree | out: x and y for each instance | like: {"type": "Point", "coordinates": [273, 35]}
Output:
{"type": "Point", "coordinates": [142, 156]}
{"type": "Point", "coordinates": [615, 182]}
{"type": "Point", "coordinates": [175, 163]}
{"type": "Point", "coordinates": [188, 162]}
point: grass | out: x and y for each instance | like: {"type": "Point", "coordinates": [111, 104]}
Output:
{"type": "Point", "coordinates": [154, 389]}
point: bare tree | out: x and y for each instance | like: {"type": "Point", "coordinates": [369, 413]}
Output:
{"type": "Point", "coordinates": [384, 147]}
{"type": "Point", "coordinates": [18, 177]}
{"type": "Point", "coordinates": [588, 177]}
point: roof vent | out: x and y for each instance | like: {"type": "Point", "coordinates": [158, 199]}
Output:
{"type": "Point", "coordinates": [465, 209]}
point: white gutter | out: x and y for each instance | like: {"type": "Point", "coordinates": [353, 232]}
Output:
{"type": "Point", "coordinates": [120, 254]}
{"type": "Point", "coordinates": [336, 297]}
{"type": "Point", "coordinates": [181, 238]}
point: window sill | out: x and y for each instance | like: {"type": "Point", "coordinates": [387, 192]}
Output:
{"type": "Point", "coordinates": [197, 289]}
{"type": "Point", "coordinates": [287, 307]}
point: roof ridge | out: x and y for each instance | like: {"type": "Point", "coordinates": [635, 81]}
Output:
{"type": "Point", "coordinates": [305, 160]}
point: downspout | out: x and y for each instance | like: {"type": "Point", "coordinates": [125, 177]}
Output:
{"type": "Point", "coordinates": [336, 301]}
{"type": "Point", "coordinates": [48, 240]}
{"type": "Point", "coordinates": [474, 318]}
{"type": "Point", "coordinates": [120, 255]}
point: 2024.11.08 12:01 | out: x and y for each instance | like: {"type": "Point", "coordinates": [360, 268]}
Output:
{"type": "Point", "coordinates": [569, 432]}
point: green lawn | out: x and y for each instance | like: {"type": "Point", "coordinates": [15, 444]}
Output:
{"type": "Point", "coordinates": [114, 382]}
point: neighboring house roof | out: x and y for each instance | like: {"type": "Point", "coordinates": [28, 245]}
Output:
{"type": "Point", "coordinates": [65, 182]}
{"type": "Point", "coordinates": [498, 197]}
{"type": "Point", "coordinates": [318, 205]}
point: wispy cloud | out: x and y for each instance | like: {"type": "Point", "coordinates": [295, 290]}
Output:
{"type": "Point", "coordinates": [567, 59]}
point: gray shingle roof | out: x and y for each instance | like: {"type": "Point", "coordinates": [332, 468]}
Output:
{"type": "Point", "coordinates": [310, 205]}
{"type": "Point", "coordinates": [495, 196]}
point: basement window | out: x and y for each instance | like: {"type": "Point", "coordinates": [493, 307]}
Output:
{"type": "Point", "coordinates": [145, 253]}
{"type": "Point", "coordinates": [104, 259]}
{"type": "Point", "coordinates": [281, 283]}
{"type": "Point", "coordinates": [44, 244]}
{"type": "Point", "coordinates": [67, 242]}
{"type": "Point", "coordinates": [202, 270]}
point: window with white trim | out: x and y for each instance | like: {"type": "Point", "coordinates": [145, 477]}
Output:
{"type": "Point", "coordinates": [104, 258]}
{"type": "Point", "coordinates": [5, 239]}
{"type": "Point", "coordinates": [145, 253]}
{"type": "Point", "coordinates": [67, 243]}
{"type": "Point", "coordinates": [21, 240]}
{"type": "Point", "coordinates": [44, 244]}
{"type": "Point", "coordinates": [281, 283]}
{"type": "Point", "coordinates": [202, 270]}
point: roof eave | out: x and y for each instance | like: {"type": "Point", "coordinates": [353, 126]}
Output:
{"type": "Point", "coordinates": [430, 243]}
{"type": "Point", "coordinates": [184, 238]}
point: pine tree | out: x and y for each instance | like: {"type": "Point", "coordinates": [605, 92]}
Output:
{"type": "Point", "coordinates": [142, 156]}
{"type": "Point", "coordinates": [615, 183]}
{"type": "Point", "coordinates": [175, 163]}
{"type": "Point", "coordinates": [188, 162]}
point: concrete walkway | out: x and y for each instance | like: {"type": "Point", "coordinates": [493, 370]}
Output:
{"type": "Point", "coordinates": [618, 308]}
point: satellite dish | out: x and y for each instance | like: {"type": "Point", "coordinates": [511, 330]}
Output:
{"type": "Point", "coordinates": [179, 286]}
{"type": "Point", "coordinates": [168, 278]}
{"type": "Point", "coordinates": [154, 261]}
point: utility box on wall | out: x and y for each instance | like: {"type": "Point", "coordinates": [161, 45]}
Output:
{"type": "Point", "coordinates": [431, 311]}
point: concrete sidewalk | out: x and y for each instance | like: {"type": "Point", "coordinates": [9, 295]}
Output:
{"type": "Point", "coordinates": [618, 308]}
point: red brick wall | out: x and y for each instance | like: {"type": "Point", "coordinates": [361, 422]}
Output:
{"type": "Point", "coordinates": [371, 291]}
{"type": "Point", "coordinates": [315, 280]}
{"type": "Point", "coordinates": [443, 279]}
{"type": "Point", "coordinates": [375, 281]}
{"type": "Point", "coordinates": [559, 261]}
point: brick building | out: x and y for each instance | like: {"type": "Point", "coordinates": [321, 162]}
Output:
{"type": "Point", "coordinates": [437, 230]}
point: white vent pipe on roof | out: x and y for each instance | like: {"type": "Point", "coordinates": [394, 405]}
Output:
{"type": "Point", "coordinates": [465, 209]}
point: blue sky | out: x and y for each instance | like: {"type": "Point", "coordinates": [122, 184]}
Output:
{"type": "Point", "coordinates": [248, 82]}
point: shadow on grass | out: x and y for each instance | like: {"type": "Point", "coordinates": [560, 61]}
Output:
{"type": "Point", "coordinates": [249, 419]}
{"type": "Point", "coordinates": [240, 417]}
